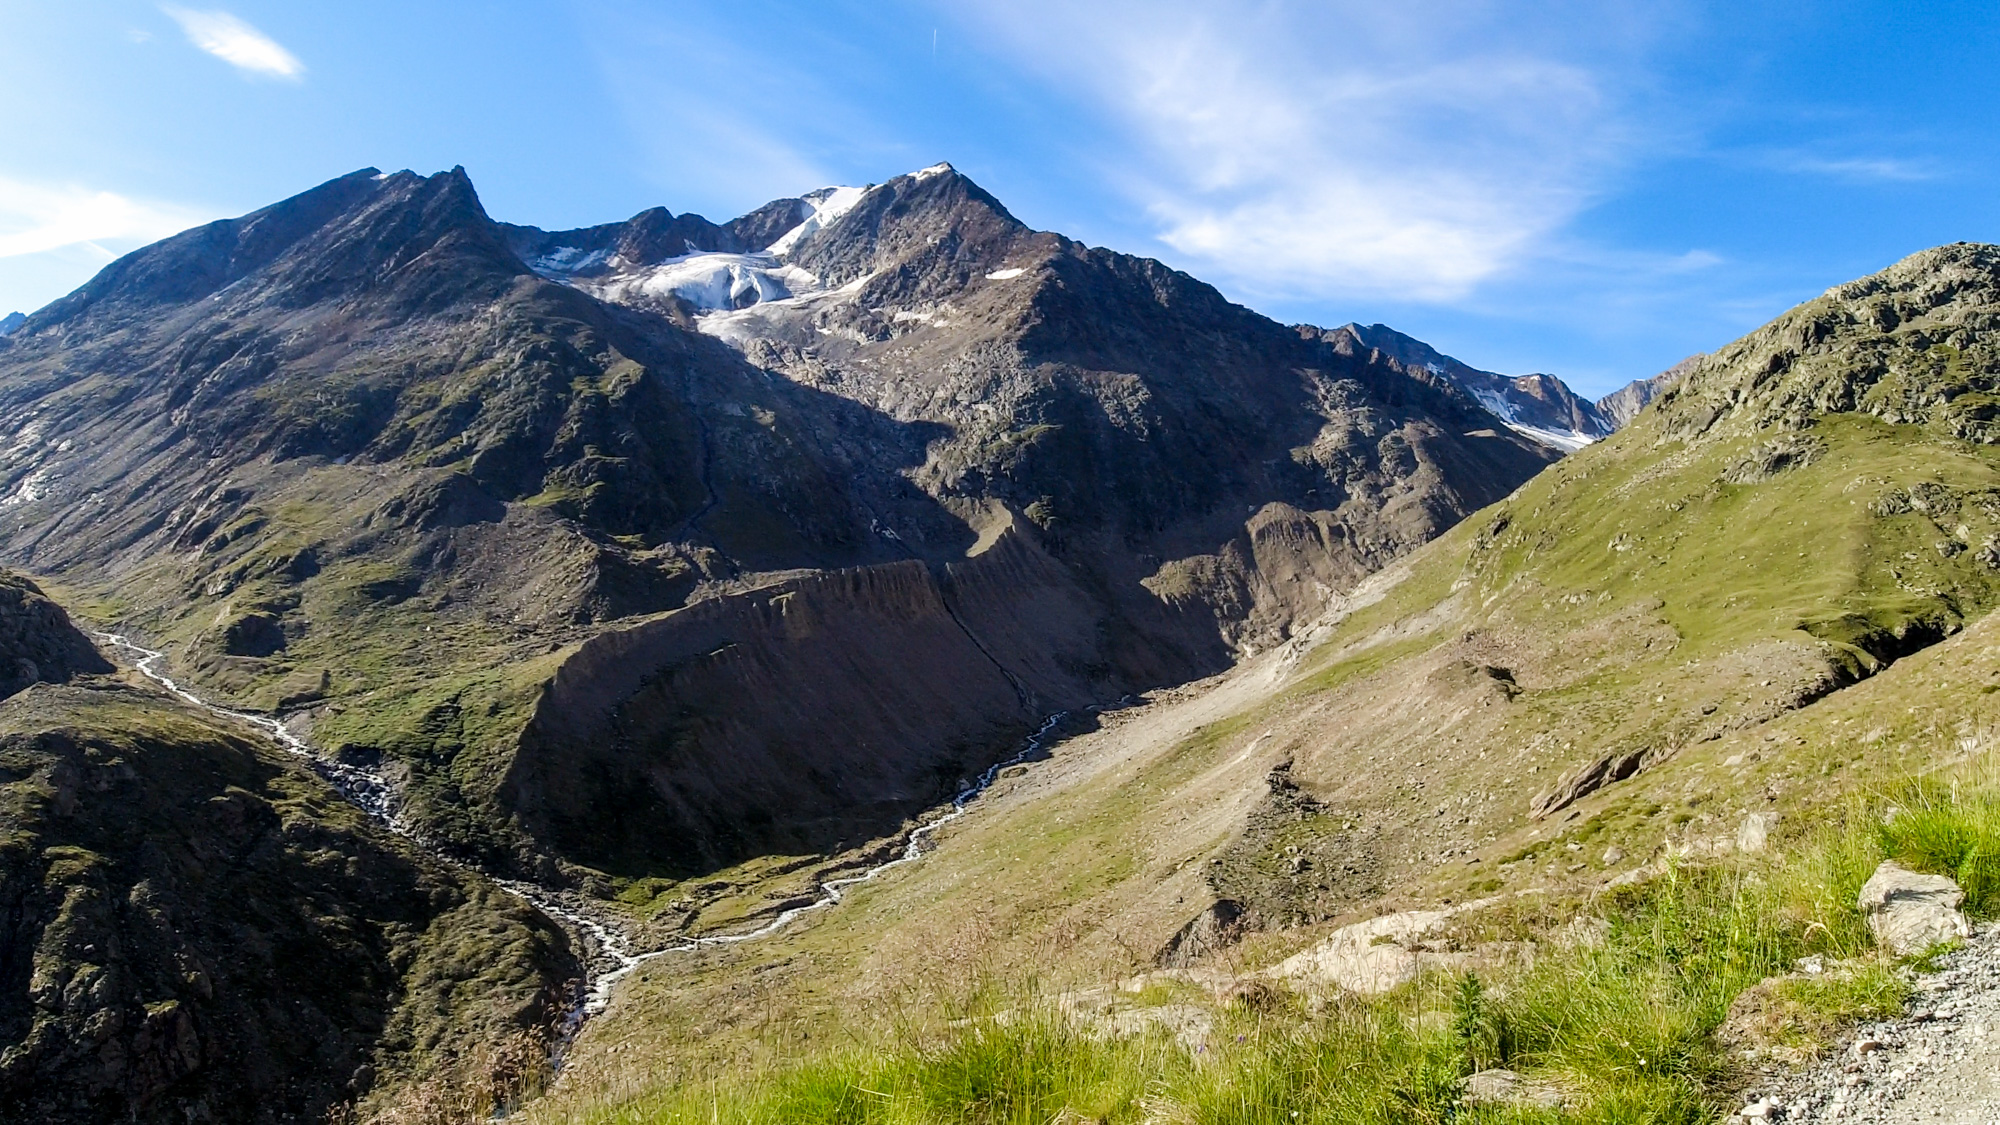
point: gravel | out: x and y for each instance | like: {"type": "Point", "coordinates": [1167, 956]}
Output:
{"type": "Point", "coordinates": [1938, 1064]}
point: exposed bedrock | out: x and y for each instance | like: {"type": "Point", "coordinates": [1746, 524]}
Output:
{"type": "Point", "coordinates": [819, 711]}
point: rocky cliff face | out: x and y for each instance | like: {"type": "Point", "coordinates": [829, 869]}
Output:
{"type": "Point", "coordinates": [368, 444]}
{"type": "Point", "coordinates": [38, 644]}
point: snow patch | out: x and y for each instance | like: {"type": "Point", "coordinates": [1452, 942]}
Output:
{"type": "Point", "coordinates": [709, 282]}
{"type": "Point", "coordinates": [567, 259]}
{"type": "Point", "coordinates": [738, 327]}
{"type": "Point", "coordinates": [828, 204]}
{"type": "Point", "coordinates": [1498, 404]}
{"type": "Point", "coordinates": [32, 488]}
{"type": "Point", "coordinates": [932, 317]}
{"type": "Point", "coordinates": [1008, 274]}
{"type": "Point", "coordinates": [1569, 441]}
{"type": "Point", "coordinates": [939, 169]}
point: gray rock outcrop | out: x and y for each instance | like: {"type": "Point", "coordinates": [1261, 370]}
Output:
{"type": "Point", "coordinates": [1909, 912]}
{"type": "Point", "coordinates": [1507, 1088]}
{"type": "Point", "coordinates": [37, 642]}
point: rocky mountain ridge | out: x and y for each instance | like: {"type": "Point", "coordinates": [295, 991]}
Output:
{"type": "Point", "coordinates": [369, 444]}
{"type": "Point", "coordinates": [1540, 406]}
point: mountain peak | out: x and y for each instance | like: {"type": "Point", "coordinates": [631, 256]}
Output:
{"type": "Point", "coordinates": [1539, 406]}
{"type": "Point", "coordinates": [364, 225]}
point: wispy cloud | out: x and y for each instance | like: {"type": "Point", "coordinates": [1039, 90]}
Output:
{"type": "Point", "coordinates": [237, 43]}
{"type": "Point", "coordinates": [1862, 168]}
{"type": "Point", "coordinates": [35, 218]}
{"type": "Point", "coordinates": [731, 123]}
{"type": "Point", "coordinates": [1411, 152]}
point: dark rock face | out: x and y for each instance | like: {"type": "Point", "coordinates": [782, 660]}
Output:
{"type": "Point", "coordinates": [368, 442]}
{"type": "Point", "coordinates": [37, 642]}
{"type": "Point", "coordinates": [195, 931]}
{"type": "Point", "coordinates": [841, 700]}
{"type": "Point", "coordinates": [1215, 929]}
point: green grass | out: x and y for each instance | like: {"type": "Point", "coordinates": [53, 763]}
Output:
{"type": "Point", "coordinates": [1950, 826]}
{"type": "Point", "coordinates": [1625, 1027]}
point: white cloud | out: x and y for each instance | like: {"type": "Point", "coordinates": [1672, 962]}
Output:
{"type": "Point", "coordinates": [35, 218]}
{"type": "Point", "coordinates": [236, 43]}
{"type": "Point", "coordinates": [1409, 151]}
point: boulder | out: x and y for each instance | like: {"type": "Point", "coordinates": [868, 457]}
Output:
{"type": "Point", "coordinates": [1216, 928]}
{"type": "Point", "coordinates": [1505, 1087]}
{"type": "Point", "coordinates": [1755, 832]}
{"type": "Point", "coordinates": [1910, 912]}
{"type": "Point", "coordinates": [1372, 956]}
{"type": "Point", "coordinates": [38, 644]}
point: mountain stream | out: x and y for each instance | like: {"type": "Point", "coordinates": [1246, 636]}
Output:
{"type": "Point", "coordinates": [616, 958]}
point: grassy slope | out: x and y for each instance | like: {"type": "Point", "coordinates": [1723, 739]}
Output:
{"type": "Point", "coordinates": [442, 688]}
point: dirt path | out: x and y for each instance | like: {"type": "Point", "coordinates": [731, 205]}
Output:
{"type": "Point", "coordinates": [1939, 1064]}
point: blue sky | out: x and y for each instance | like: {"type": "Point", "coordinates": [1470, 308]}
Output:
{"type": "Point", "coordinates": [1590, 188]}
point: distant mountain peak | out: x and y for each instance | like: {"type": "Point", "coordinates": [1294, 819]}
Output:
{"type": "Point", "coordinates": [401, 231]}
{"type": "Point", "coordinates": [795, 250]}
{"type": "Point", "coordinates": [10, 322]}
{"type": "Point", "coordinates": [1538, 406]}
{"type": "Point", "coordinates": [1625, 403]}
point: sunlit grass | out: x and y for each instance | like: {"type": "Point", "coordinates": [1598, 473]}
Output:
{"type": "Point", "coordinates": [1621, 1022]}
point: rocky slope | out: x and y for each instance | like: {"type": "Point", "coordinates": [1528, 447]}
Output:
{"type": "Point", "coordinates": [1804, 508]}
{"type": "Point", "coordinates": [368, 451]}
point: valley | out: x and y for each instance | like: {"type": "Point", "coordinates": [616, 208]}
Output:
{"type": "Point", "coordinates": [687, 659]}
